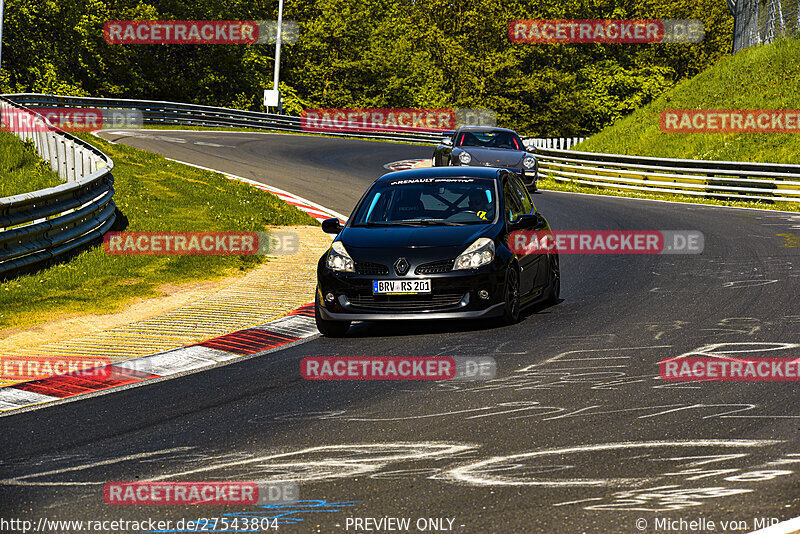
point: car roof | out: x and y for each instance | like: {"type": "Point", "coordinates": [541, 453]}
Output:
{"type": "Point", "coordinates": [444, 172]}
{"type": "Point", "coordinates": [484, 129]}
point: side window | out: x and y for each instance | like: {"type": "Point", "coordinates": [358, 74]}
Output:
{"type": "Point", "coordinates": [522, 193]}
{"type": "Point", "coordinates": [513, 208]}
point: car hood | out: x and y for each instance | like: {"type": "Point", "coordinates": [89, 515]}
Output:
{"type": "Point", "coordinates": [496, 157]}
{"type": "Point", "coordinates": [413, 237]}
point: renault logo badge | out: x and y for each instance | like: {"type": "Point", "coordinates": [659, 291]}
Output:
{"type": "Point", "coordinates": [401, 266]}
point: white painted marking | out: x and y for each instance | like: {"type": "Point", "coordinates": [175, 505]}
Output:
{"type": "Point", "coordinates": [665, 498]}
{"type": "Point", "coordinates": [740, 408]}
{"type": "Point", "coordinates": [12, 398]}
{"type": "Point", "coordinates": [557, 357]}
{"type": "Point", "coordinates": [724, 350]}
{"type": "Point", "coordinates": [516, 407]}
{"type": "Point", "coordinates": [293, 325]}
{"type": "Point", "coordinates": [23, 480]}
{"type": "Point", "coordinates": [331, 461]}
{"type": "Point", "coordinates": [178, 360]}
{"type": "Point", "coordinates": [748, 283]}
{"type": "Point", "coordinates": [487, 472]}
{"type": "Point", "coordinates": [578, 501]}
{"type": "Point", "coordinates": [214, 145]}
{"type": "Point", "coordinates": [404, 473]}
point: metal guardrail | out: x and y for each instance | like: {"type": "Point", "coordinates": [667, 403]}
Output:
{"type": "Point", "coordinates": [558, 143]}
{"type": "Point", "coordinates": [39, 226]}
{"type": "Point", "coordinates": [711, 179]}
{"type": "Point", "coordinates": [166, 113]}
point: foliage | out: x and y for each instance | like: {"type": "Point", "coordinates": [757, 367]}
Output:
{"type": "Point", "coordinates": [367, 53]}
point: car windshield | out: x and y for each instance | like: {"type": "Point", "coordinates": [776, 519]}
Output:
{"type": "Point", "coordinates": [428, 201]}
{"type": "Point", "coordinates": [490, 139]}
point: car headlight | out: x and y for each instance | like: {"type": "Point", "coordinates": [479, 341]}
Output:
{"type": "Point", "coordinates": [339, 259]}
{"type": "Point", "coordinates": [529, 162]}
{"type": "Point", "coordinates": [481, 252]}
{"type": "Point", "coordinates": [464, 158]}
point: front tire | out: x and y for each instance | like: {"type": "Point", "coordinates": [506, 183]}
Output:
{"type": "Point", "coordinates": [533, 183]}
{"type": "Point", "coordinates": [511, 309]}
{"type": "Point", "coordinates": [329, 328]}
{"type": "Point", "coordinates": [555, 281]}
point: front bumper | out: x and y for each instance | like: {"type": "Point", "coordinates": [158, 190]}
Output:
{"type": "Point", "coordinates": [493, 311]}
{"type": "Point", "coordinates": [454, 295]}
{"type": "Point", "coordinates": [529, 176]}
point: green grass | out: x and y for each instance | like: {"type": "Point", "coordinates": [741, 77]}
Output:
{"type": "Point", "coordinates": [21, 169]}
{"type": "Point", "coordinates": [155, 195]}
{"type": "Point", "coordinates": [761, 77]}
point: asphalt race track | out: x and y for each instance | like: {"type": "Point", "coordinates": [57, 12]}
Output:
{"type": "Point", "coordinates": [577, 433]}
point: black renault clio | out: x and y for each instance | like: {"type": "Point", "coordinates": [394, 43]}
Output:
{"type": "Point", "coordinates": [434, 244]}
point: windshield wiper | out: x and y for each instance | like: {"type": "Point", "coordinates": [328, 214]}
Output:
{"type": "Point", "coordinates": [434, 222]}
{"type": "Point", "coordinates": [411, 222]}
{"type": "Point", "coordinates": [381, 223]}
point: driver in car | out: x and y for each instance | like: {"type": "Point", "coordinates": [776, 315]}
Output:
{"type": "Point", "coordinates": [479, 203]}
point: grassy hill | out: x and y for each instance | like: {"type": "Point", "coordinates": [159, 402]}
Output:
{"type": "Point", "coordinates": [762, 77]}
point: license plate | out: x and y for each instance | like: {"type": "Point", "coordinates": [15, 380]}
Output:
{"type": "Point", "coordinates": [401, 287]}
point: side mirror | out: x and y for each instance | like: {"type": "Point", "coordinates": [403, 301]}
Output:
{"type": "Point", "coordinates": [525, 221]}
{"type": "Point", "coordinates": [529, 222]}
{"type": "Point", "coordinates": [331, 226]}
{"type": "Point", "coordinates": [447, 141]}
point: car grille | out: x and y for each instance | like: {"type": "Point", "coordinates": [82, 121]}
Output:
{"type": "Point", "coordinates": [436, 267]}
{"type": "Point", "coordinates": [366, 267]}
{"type": "Point", "coordinates": [406, 302]}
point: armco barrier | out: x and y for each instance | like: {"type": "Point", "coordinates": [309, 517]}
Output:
{"type": "Point", "coordinates": [558, 143]}
{"type": "Point", "coordinates": [166, 113]}
{"type": "Point", "coordinates": [712, 179]}
{"type": "Point", "coordinates": [41, 225]}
